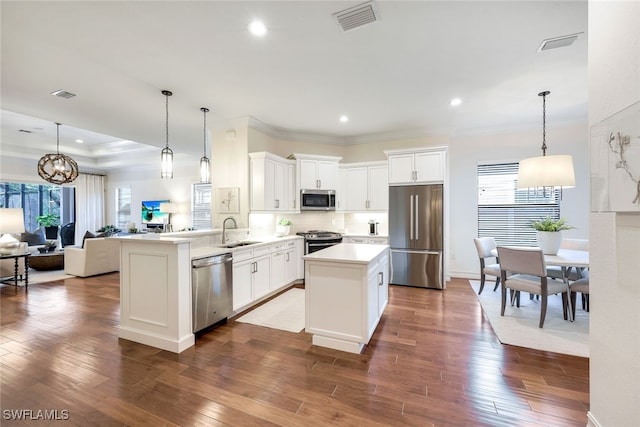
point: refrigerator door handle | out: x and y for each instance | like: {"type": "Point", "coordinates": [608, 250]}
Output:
{"type": "Point", "coordinates": [411, 221]}
{"type": "Point", "coordinates": [417, 220]}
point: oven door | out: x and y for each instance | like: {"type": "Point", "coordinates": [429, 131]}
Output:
{"type": "Point", "coordinates": [312, 246]}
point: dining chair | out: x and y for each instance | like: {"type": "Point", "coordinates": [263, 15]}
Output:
{"type": "Point", "coordinates": [524, 269]}
{"type": "Point", "coordinates": [484, 246]}
{"type": "Point", "coordinates": [555, 272]}
{"type": "Point", "coordinates": [580, 285]}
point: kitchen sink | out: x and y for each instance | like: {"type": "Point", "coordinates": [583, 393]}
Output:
{"type": "Point", "coordinates": [238, 244]}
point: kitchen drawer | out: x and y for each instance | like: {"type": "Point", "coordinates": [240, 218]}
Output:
{"type": "Point", "coordinates": [262, 250]}
{"type": "Point", "coordinates": [242, 254]}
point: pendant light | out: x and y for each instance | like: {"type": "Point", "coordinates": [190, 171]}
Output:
{"type": "Point", "coordinates": [546, 171]}
{"type": "Point", "coordinates": [205, 171]}
{"type": "Point", "coordinates": [166, 157]}
{"type": "Point", "coordinates": [57, 168]}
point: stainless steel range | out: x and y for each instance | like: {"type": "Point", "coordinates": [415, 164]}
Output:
{"type": "Point", "coordinates": [315, 240]}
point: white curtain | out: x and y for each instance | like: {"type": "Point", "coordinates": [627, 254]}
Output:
{"type": "Point", "coordinates": [90, 204]}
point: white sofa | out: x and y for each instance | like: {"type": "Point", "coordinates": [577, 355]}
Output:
{"type": "Point", "coordinates": [99, 255]}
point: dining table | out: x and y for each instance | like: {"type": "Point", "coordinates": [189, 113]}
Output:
{"type": "Point", "coordinates": [566, 259]}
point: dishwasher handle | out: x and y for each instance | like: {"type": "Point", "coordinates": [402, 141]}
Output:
{"type": "Point", "coordinates": [211, 260]}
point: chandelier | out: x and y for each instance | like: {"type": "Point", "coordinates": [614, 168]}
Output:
{"type": "Point", "coordinates": [546, 171]}
{"type": "Point", "coordinates": [57, 168]}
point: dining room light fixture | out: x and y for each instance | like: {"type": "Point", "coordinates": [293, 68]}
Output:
{"type": "Point", "coordinates": [57, 168]}
{"type": "Point", "coordinates": [166, 156]}
{"type": "Point", "coordinates": [546, 171]}
{"type": "Point", "coordinates": [205, 165]}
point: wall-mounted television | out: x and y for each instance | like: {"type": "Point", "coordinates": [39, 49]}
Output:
{"type": "Point", "coordinates": [151, 215]}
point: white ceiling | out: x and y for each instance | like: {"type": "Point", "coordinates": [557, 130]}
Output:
{"type": "Point", "coordinates": [393, 78]}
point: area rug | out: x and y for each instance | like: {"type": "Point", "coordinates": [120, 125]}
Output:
{"type": "Point", "coordinates": [519, 326]}
{"type": "Point", "coordinates": [286, 312]}
{"type": "Point", "coordinates": [47, 276]}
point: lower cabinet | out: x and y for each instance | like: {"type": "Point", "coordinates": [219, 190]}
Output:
{"type": "Point", "coordinates": [262, 270]}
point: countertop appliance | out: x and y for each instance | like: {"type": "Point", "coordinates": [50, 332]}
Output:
{"type": "Point", "coordinates": [212, 290]}
{"type": "Point", "coordinates": [315, 240]}
{"type": "Point", "coordinates": [416, 235]}
{"type": "Point", "coordinates": [317, 200]}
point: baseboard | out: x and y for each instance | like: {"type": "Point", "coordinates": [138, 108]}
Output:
{"type": "Point", "coordinates": [591, 420]}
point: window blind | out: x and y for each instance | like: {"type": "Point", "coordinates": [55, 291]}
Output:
{"type": "Point", "coordinates": [505, 212]}
{"type": "Point", "coordinates": [201, 206]}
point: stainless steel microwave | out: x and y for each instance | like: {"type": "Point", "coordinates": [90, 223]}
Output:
{"type": "Point", "coordinates": [317, 200]}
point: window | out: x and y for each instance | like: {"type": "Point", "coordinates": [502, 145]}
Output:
{"type": "Point", "coordinates": [34, 199]}
{"type": "Point", "coordinates": [504, 212]}
{"type": "Point", "coordinates": [123, 207]}
{"type": "Point", "coordinates": [201, 207]}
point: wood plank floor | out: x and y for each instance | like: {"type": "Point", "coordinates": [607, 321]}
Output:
{"type": "Point", "coordinates": [433, 361]}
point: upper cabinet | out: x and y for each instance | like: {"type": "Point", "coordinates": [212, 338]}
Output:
{"type": "Point", "coordinates": [271, 183]}
{"type": "Point", "coordinates": [365, 187]}
{"type": "Point", "coordinates": [316, 172]}
{"type": "Point", "coordinates": [416, 166]}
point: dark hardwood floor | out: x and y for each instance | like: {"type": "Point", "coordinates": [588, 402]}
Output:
{"type": "Point", "coordinates": [434, 360]}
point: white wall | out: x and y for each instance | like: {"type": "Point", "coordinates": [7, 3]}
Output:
{"type": "Point", "coordinates": [614, 83]}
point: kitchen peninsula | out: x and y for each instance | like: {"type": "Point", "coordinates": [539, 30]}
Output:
{"type": "Point", "coordinates": [346, 292]}
{"type": "Point", "coordinates": [156, 275]}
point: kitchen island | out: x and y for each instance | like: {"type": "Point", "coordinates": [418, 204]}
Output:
{"type": "Point", "coordinates": [346, 292]}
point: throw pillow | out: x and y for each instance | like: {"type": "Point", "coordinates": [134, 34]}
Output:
{"type": "Point", "coordinates": [87, 235]}
{"type": "Point", "coordinates": [34, 238]}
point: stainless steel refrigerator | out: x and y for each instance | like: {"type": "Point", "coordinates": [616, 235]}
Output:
{"type": "Point", "coordinates": [415, 235]}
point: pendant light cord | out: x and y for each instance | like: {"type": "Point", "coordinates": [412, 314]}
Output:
{"type": "Point", "coordinates": [204, 131]}
{"type": "Point", "coordinates": [58, 138]}
{"type": "Point", "coordinates": [166, 123]}
{"type": "Point", "coordinates": [544, 121]}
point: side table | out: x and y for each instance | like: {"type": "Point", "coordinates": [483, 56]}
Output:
{"type": "Point", "coordinates": [16, 257]}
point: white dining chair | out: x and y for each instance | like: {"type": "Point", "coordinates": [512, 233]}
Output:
{"type": "Point", "coordinates": [524, 269]}
{"type": "Point", "coordinates": [484, 246]}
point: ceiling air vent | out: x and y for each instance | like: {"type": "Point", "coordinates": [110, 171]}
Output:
{"type": "Point", "coordinates": [63, 94]}
{"type": "Point", "coordinates": [356, 16]}
{"type": "Point", "coordinates": [557, 42]}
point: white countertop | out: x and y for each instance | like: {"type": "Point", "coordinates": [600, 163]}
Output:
{"type": "Point", "coordinates": [364, 235]}
{"type": "Point", "coordinates": [348, 252]}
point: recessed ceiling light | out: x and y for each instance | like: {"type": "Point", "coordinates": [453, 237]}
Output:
{"type": "Point", "coordinates": [257, 28]}
{"type": "Point", "coordinates": [455, 102]}
{"type": "Point", "coordinates": [344, 119]}
{"type": "Point", "coordinates": [79, 141]}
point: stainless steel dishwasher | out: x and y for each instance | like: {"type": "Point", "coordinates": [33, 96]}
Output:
{"type": "Point", "coordinates": [212, 290]}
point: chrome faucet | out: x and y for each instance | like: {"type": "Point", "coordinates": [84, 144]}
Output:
{"type": "Point", "coordinates": [224, 228]}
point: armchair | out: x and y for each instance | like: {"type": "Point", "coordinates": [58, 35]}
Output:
{"type": "Point", "coordinates": [99, 255]}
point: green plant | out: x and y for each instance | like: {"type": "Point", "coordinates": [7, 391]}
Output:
{"type": "Point", "coordinates": [284, 221]}
{"type": "Point", "coordinates": [549, 224]}
{"type": "Point", "coordinates": [50, 243]}
{"type": "Point", "coordinates": [48, 220]}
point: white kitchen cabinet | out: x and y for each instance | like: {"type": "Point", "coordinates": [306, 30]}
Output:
{"type": "Point", "coordinates": [416, 166]}
{"type": "Point", "coordinates": [365, 187]}
{"type": "Point", "coordinates": [270, 183]}
{"type": "Point", "coordinates": [278, 265]}
{"type": "Point", "coordinates": [262, 270]}
{"type": "Point", "coordinates": [316, 172]}
{"type": "Point", "coordinates": [341, 191]}
{"type": "Point", "coordinates": [242, 283]}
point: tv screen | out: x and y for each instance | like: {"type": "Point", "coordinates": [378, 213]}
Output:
{"type": "Point", "coordinates": [151, 214]}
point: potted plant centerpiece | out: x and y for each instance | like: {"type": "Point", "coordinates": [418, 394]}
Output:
{"type": "Point", "coordinates": [50, 222]}
{"type": "Point", "coordinates": [283, 228]}
{"type": "Point", "coordinates": [548, 233]}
